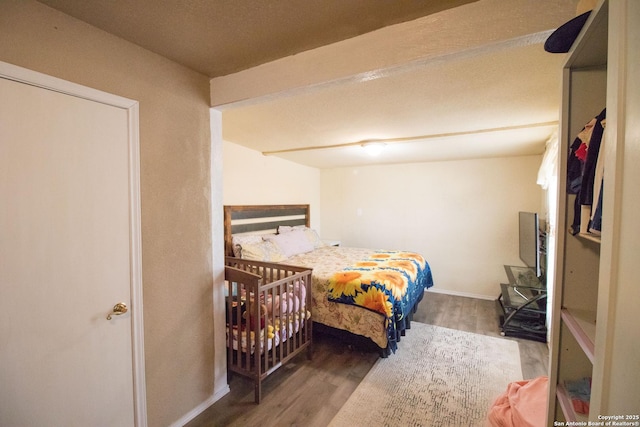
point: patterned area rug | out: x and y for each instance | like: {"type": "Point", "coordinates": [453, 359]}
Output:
{"type": "Point", "coordinates": [437, 377]}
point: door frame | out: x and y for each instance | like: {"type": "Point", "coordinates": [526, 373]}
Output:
{"type": "Point", "coordinates": [33, 78]}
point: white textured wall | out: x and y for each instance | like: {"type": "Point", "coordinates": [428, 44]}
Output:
{"type": "Point", "coordinates": [175, 165]}
{"type": "Point", "coordinates": [461, 215]}
{"type": "Point", "coordinates": [250, 178]}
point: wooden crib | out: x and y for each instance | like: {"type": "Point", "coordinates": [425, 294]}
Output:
{"type": "Point", "coordinates": [268, 317]}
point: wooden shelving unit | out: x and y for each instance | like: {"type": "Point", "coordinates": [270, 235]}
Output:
{"type": "Point", "coordinates": [567, 407]}
{"type": "Point", "coordinates": [578, 261]}
{"type": "Point", "coordinates": [593, 329]}
{"type": "Point", "coordinates": [583, 330]}
{"type": "Point", "coordinates": [591, 237]}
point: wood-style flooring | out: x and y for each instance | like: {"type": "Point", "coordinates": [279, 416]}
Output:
{"type": "Point", "coordinates": [310, 392]}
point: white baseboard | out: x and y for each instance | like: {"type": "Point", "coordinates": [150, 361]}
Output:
{"type": "Point", "coordinates": [201, 407]}
{"type": "Point", "coordinates": [462, 294]}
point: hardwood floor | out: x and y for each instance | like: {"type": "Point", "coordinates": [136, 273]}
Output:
{"type": "Point", "coordinates": [310, 392]}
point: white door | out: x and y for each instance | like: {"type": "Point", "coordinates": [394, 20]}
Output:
{"type": "Point", "coordinates": [67, 256]}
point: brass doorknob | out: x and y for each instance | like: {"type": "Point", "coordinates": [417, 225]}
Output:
{"type": "Point", "coordinates": [118, 309]}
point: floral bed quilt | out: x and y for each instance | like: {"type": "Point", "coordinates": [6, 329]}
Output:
{"type": "Point", "coordinates": [364, 291]}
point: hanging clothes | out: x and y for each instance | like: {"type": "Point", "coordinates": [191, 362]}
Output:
{"type": "Point", "coordinates": [595, 223]}
{"type": "Point", "coordinates": [581, 172]}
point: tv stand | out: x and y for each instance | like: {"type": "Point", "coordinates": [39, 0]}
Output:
{"type": "Point", "coordinates": [523, 302]}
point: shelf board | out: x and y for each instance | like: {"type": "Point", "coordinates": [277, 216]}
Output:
{"type": "Point", "coordinates": [583, 329]}
{"type": "Point", "coordinates": [567, 407]}
{"type": "Point", "coordinates": [590, 237]}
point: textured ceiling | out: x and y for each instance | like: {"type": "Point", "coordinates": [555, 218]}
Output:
{"type": "Point", "coordinates": [474, 82]}
{"type": "Point", "coordinates": [308, 81]}
{"type": "Point", "coordinates": [501, 103]}
{"type": "Point", "coordinates": [219, 37]}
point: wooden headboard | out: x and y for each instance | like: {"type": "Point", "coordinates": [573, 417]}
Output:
{"type": "Point", "coordinates": [261, 218]}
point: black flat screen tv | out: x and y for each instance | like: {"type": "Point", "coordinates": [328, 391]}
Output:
{"type": "Point", "coordinates": [530, 241]}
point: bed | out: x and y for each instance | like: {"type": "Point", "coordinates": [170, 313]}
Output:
{"type": "Point", "coordinates": [364, 295]}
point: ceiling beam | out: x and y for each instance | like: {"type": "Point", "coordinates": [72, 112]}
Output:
{"type": "Point", "coordinates": [392, 49]}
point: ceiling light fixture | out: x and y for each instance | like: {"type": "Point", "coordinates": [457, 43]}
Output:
{"type": "Point", "coordinates": [374, 148]}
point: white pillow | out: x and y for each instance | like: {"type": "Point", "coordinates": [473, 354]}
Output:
{"type": "Point", "coordinates": [238, 240]}
{"type": "Point", "coordinates": [312, 235]}
{"type": "Point", "coordinates": [288, 228]}
{"type": "Point", "coordinates": [291, 243]}
{"type": "Point", "coordinates": [265, 250]}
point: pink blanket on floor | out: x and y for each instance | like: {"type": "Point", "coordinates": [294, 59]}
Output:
{"type": "Point", "coordinates": [524, 404]}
